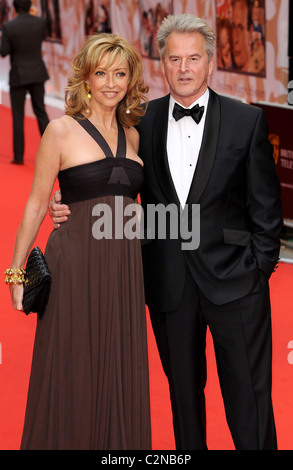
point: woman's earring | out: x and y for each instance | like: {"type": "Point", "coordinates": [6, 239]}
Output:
{"type": "Point", "coordinates": [88, 91]}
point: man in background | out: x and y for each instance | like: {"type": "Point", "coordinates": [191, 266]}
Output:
{"type": "Point", "coordinates": [22, 39]}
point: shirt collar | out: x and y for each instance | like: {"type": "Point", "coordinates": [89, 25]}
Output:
{"type": "Point", "coordinates": [201, 101]}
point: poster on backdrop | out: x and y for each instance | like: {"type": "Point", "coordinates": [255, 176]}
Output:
{"type": "Point", "coordinates": [97, 18]}
{"type": "Point", "coordinates": [48, 9]}
{"type": "Point", "coordinates": [252, 49]}
{"type": "Point", "coordinates": [151, 15]}
{"type": "Point", "coordinates": [241, 36]}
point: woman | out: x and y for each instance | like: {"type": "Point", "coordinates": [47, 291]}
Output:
{"type": "Point", "coordinates": [89, 379]}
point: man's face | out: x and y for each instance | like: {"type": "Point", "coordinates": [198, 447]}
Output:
{"type": "Point", "coordinates": [255, 12]}
{"type": "Point", "coordinates": [186, 66]}
{"type": "Point", "coordinates": [240, 35]}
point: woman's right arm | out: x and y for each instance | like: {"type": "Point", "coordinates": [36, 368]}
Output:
{"type": "Point", "coordinates": [46, 170]}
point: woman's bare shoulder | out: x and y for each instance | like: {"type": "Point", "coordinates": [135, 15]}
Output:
{"type": "Point", "coordinates": [60, 126]}
{"type": "Point", "coordinates": [132, 132]}
{"type": "Point", "coordinates": [133, 136]}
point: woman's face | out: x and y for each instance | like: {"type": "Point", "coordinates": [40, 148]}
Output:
{"type": "Point", "coordinates": [109, 84]}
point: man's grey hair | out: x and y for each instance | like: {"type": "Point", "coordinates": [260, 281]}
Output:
{"type": "Point", "coordinates": [185, 23]}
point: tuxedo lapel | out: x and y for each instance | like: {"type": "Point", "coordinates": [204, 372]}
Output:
{"type": "Point", "coordinates": [207, 151]}
{"type": "Point", "coordinates": [161, 165]}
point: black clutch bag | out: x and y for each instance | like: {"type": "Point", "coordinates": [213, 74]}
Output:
{"type": "Point", "coordinates": [37, 283]}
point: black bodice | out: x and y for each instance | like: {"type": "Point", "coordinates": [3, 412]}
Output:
{"type": "Point", "coordinates": [118, 176]}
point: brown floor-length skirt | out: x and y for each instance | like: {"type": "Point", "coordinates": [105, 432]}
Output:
{"type": "Point", "coordinates": [89, 384]}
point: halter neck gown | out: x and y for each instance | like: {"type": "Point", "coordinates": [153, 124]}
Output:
{"type": "Point", "coordinates": [89, 385]}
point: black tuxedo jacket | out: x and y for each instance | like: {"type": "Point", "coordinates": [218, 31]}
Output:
{"type": "Point", "coordinates": [22, 39]}
{"type": "Point", "coordinates": [236, 186]}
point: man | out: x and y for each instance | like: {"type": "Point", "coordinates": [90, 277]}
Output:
{"type": "Point", "coordinates": [256, 25]}
{"type": "Point", "coordinates": [22, 39]}
{"type": "Point", "coordinates": [240, 36]}
{"type": "Point", "coordinates": [224, 163]}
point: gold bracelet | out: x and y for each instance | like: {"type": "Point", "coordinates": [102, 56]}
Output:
{"type": "Point", "coordinates": [14, 276]}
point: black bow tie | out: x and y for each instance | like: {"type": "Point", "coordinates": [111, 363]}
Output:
{"type": "Point", "coordinates": [196, 112]}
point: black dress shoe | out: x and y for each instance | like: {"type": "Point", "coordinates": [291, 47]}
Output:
{"type": "Point", "coordinates": [16, 162]}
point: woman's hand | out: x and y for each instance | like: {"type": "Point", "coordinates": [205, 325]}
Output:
{"type": "Point", "coordinates": [16, 291]}
{"type": "Point", "coordinates": [57, 211]}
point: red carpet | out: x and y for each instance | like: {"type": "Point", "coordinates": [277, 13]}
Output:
{"type": "Point", "coordinates": [17, 330]}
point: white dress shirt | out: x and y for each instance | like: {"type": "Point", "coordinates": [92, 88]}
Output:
{"type": "Point", "coordinates": [183, 144]}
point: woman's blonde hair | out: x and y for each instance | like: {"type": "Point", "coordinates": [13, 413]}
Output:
{"type": "Point", "coordinates": [88, 58]}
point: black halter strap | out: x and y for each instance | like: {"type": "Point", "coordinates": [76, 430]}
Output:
{"type": "Point", "coordinates": [97, 136]}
